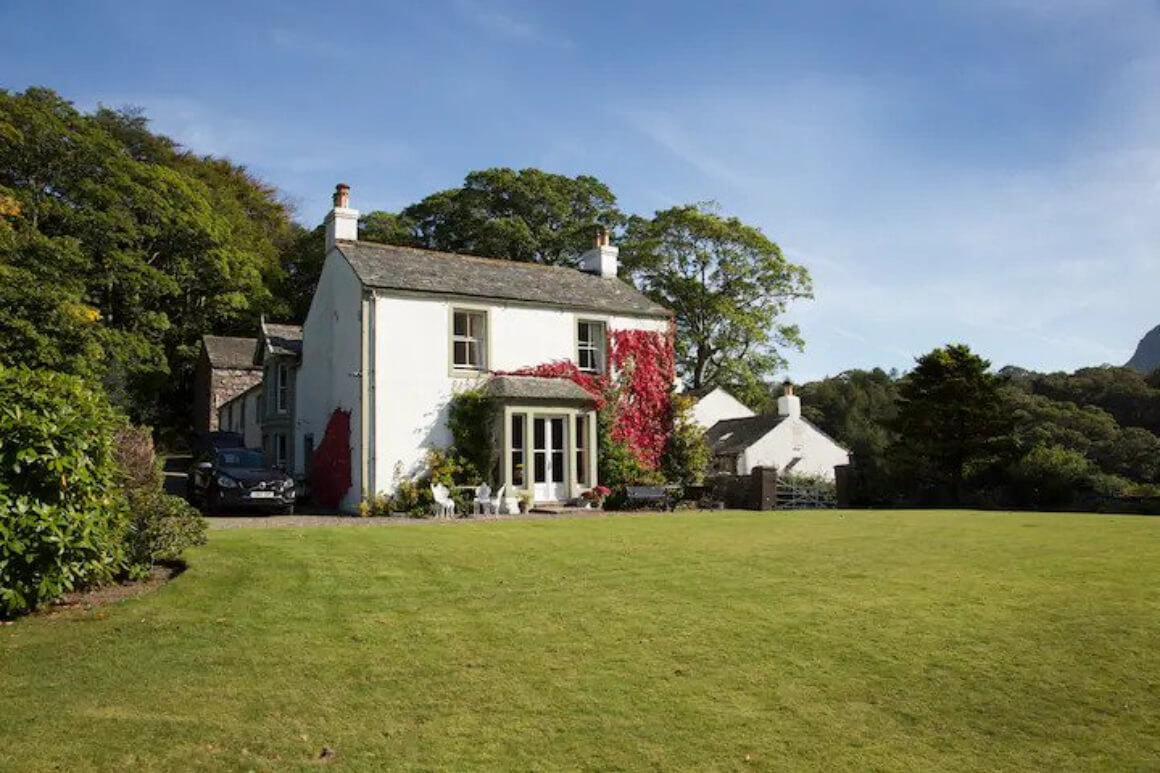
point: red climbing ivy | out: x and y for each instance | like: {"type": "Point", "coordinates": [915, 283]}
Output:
{"type": "Point", "coordinates": [330, 465]}
{"type": "Point", "coordinates": [644, 366]}
{"type": "Point", "coordinates": [596, 385]}
{"type": "Point", "coordinates": [639, 393]}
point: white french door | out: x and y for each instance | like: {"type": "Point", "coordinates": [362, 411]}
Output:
{"type": "Point", "coordinates": [549, 459]}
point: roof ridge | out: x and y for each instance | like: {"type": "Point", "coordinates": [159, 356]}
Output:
{"type": "Point", "coordinates": [464, 255]}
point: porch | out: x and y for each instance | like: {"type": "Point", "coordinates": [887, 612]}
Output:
{"type": "Point", "coordinates": [546, 437]}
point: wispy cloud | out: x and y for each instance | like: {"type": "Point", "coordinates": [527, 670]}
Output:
{"type": "Point", "coordinates": [1048, 263]}
{"type": "Point", "coordinates": [507, 25]}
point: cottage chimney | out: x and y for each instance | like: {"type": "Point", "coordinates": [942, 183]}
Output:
{"type": "Point", "coordinates": [789, 404]}
{"type": "Point", "coordinates": [342, 221]}
{"type": "Point", "coordinates": [603, 259]}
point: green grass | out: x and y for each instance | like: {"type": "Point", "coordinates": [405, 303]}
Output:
{"type": "Point", "coordinates": [859, 641]}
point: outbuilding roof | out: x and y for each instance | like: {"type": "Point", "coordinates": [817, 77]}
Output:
{"type": "Point", "coordinates": [732, 436]}
{"type": "Point", "coordinates": [283, 339]}
{"type": "Point", "coordinates": [444, 273]}
{"type": "Point", "coordinates": [230, 352]}
{"type": "Point", "coordinates": [536, 388]}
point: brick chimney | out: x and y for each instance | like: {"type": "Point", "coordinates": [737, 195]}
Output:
{"type": "Point", "coordinates": [789, 404]}
{"type": "Point", "coordinates": [603, 259]}
{"type": "Point", "coordinates": [341, 221]}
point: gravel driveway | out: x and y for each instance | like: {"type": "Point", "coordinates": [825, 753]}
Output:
{"type": "Point", "coordinates": [279, 521]}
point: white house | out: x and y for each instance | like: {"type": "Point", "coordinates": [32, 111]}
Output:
{"type": "Point", "coordinates": [785, 440]}
{"type": "Point", "coordinates": [393, 332]}
{"type": "Point", "coordinates": [242, 414]}
{"type": "Point", "coordinates": [717, 405]}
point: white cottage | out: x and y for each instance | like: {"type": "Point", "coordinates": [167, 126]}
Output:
{"type": "Point", "coordinates": [785, 440]}
{"type": "Point", "coordinates": [716, 404]}
{"type": "Point", "coordinates": [393, 332]}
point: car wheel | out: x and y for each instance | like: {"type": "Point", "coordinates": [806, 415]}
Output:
{"type": "Point", "coordinates": [213, 505]}
{"type": "Point", "coordinates": [288, 510]}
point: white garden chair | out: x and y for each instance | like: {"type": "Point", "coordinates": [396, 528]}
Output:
{"type": "Point", "coordinates": [444, 506]}
{"type": "Point", "coordinates": [484, 502]}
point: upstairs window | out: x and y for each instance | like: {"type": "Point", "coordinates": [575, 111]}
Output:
{"type": "Point", "coordinates": [469, 340]}
{"type": "Point", "coordinates": [282, 388]}
{"type": "Point", "coordinates": [590, 346]}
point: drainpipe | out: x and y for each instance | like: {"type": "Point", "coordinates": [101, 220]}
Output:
{"type": "Point", "coordinates": [365, 383]}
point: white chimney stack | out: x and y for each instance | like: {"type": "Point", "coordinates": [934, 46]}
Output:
{"type": "Point", "coordinates": [603, 259]}
{"type": "Point", "coordinates": [789, 404]}
{"type": "Point", "coordinates": [342, 221]}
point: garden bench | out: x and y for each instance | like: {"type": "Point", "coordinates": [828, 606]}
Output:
{"type": "Point", "coordinates": [664, 496]}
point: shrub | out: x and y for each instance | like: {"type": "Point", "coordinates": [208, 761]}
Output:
{"type": "Point", "coordinates": [471, 420]}
{"type": "Point", "coordinates": [161, 528]}
{"type": "Point", "coordinates": [686, 454]}
{"type": "Point", "coordinates": [136, 460]}
{"type": "Point", "coordinates": [619, 465]}
{"type": "Point", "coordinates": [410, 497]}
{"type": "Point", "coordinates": [375, 506]}
{"type": "Point", "coordinates": [63, 519]}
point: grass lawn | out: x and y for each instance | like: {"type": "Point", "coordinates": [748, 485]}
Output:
{"type": "Point", "coordinates": [733, 641]}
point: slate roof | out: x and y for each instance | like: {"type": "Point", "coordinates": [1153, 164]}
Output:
{"type": "Point", "coordinates": [536, 388]}
{"type": "Point", "coordinates": [445, 273]}
{"type": "Point", "coordinates": [230, 352]}
{"type": "Point", "coordinates": [284, 339]}
{"type": "Point", "coordinates": [732, 436]}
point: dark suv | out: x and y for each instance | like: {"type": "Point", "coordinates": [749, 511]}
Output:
{"type": "Point", "coordinates": [237, 477]}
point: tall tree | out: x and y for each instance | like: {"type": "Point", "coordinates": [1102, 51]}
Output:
{"type": "Point", "coordinates": [526, 215]}
{"type": "Point", "coordinates": [857, 408]}
{"type": "Point", "coordinates": [130, 244]}
{"type": "Point", "coordinates": [952, 425]}
{"type": "Point", "coordinates": [728, 285]}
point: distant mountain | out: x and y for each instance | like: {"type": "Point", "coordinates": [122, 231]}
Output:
{"type": "Point", "coordinates": [1147, 356]}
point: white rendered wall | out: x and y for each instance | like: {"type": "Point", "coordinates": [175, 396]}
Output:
{"type": "Point", "coordinates": [791, 438]}
{"type": "Point", "coordinates": [230, 417]}
{"type": "Point", "coordinates": [717, 406]}
{"type": "Point", "coordinates": [328, 377]}
{"type": "Point", "coordinates": [413, 382]}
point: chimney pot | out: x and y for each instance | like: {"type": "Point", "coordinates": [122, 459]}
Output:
{"type": "Point", "coordinates": [342, 221]}
{"type": "Point", "coordinates": [788, 404]}
{"type": "Point", "coordinates": [602, 259]}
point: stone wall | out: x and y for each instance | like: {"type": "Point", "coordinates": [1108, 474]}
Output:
{"type": "Point", "coordinates": [213, 387]}
{"type": "Point", "coordinates": [755, 491]}
{"type": "Point", "coordinates": [226, 385]}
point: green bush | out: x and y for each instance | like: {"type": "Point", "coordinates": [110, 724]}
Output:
{"type": "Point", "coordinates": [136, 460]}
{"type": "Point", "coordinates": [471, 419]}
{"type": "Point", "coordinates": [376, 506]}
{"type": "Point", "coordinates": [63, 519]}
{"type": "Point", "coordinates": [411, 497]}
{"type": "Point", "coordinates": [687, 453]}
{"type": "Point", "coordinates": [162, 527]}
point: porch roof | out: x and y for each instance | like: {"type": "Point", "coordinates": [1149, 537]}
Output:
{"type": "Point", "coordinates": [536, 388]}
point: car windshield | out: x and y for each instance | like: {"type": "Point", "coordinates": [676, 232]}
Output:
{"type": "Point", "coordinates": [240, 458]}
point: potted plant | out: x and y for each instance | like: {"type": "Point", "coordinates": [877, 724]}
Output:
{"type": "Point", "coordinates": [525, 501]}
{"type": "Point", "coordinates": [594, 497]}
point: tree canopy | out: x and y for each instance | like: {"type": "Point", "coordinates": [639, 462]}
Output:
{"type": "Point", "coordinates": [951, 424]}
{"type": "Point", "coordinates": [119, 249]}
{"type": "Point", "coordinates": [728, 285]}
{"type": "Point", "coordinates": [526, 215]}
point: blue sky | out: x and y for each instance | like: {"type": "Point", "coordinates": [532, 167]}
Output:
{"type": "Point", "coordinates": [985, 171]}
